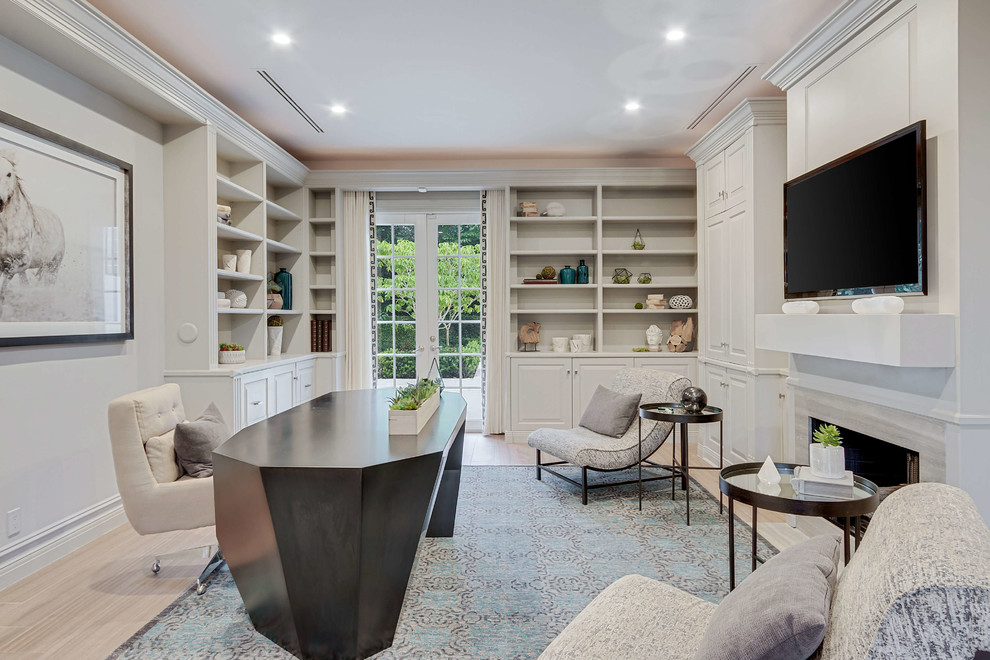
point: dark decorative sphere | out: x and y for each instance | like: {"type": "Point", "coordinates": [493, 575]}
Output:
{"type": "Point", "coordinates": [694, 399]}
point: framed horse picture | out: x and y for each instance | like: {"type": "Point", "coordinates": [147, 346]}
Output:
{"type": "Point", "coordinates": [66, 259]}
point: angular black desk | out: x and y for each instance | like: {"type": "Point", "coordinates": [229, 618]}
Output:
{"type": "Point", "coordinates": [320, 514]}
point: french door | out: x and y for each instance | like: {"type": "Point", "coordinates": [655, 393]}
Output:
{"type": "Point", "coordinates": [428, 302]}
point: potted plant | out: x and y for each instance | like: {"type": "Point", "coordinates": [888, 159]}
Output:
{"type": "Point", "coordinates": [828, 458]}
{"type": "Point", "coordinates": [231, 354]}
{"type": "Point", "coordinates": [413, 406]}
{"type": "Point", "coordinates": [274, 336]}
{"type": "Point", "coordinates": [274, 293]}
{"type": "Point", "coordinates": [638, 243]}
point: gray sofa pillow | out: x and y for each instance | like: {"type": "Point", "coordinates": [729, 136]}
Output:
{"type": "Point", "coordinates": [196, 440]}
{"type": "Point", "coordinates": [610, 413]}
{"type": "Point", "coordinates": [780, 611]}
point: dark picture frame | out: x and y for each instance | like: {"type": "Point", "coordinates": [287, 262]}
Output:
{"type": "Point", "coordinates": [66, 240]}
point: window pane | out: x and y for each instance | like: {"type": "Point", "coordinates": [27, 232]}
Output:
{"type": "Point", "coordinates": [470, 239]}
{"type": "Point", "coordinates": [471, 338]}
{"type": "Point", "coordinates": [384, 305]}
{"type": "Point", "coordinates": [447, 234]}
{"type": "Point", "coordinates": [384, 337]}
{"type": "Point", "coordinates": [471, 304]}
{"type": "Point", "coordinates": [404, 273]}
{"type": "Point", "coordinates": [447, 305]}
{"type": "Point", "coordinates": [449, 341]}
{"type": "Point", "coordinates": [383, 233]}
{"type": "Point", "coordinates": [471, 369]}
{"type": "Point", "coordinates": [447, 272]}
{"type": "Point", "coordinates": [405, 306]}
{"type": "Point", "coordinates": [471, 272]}
{"type": "Point", "coordinates": [449, 368]}
{"type": "Point", "coordinates": [383, 273]}
{"type": "Point", "coordinates": [405, 368]}
{"type": "Point", "coordinates": [385, 365]}
{"type": "Point", "coordinates": [405, 239]}
{"type": "Point", "coordinates": [405, 338]}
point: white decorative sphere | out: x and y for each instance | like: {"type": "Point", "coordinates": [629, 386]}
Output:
{"type": "Point", "coordinates": [238, 299]}
{"type": "Point", "coordinates": [555, 209]}
{"type": "Point", "coordinates": [681, 302]}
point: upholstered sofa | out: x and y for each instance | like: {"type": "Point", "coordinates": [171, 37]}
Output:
{"type": "Point", "coordinates": [918, 587]}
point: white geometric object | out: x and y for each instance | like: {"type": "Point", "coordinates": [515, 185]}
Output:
{"type": "Point", "coordinates": [555, 209]}
{"type": "Point", "coordinates": [800, 307]}
{"type": "Point", "coordinates": [828, 462]}
{"type": "Point", "coordinates": [188, 333]}
{"type": "Point", "coordinates": [244, 261]}
{"type": "Point", "coordinates": [681, 302]}
{"type": "Point", "coordinates": [228, 262]}
{"type": "Point", "coordinates": [274, 341]}
{"type": "Point", "coordinates": [768, 474]}
{"type": "Point", "coordinates": [237, 298]}
{"type": "Point", "coordinates": [879, 305]}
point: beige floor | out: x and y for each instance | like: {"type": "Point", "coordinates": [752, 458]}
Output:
{"type": "Point", "coordinates": [86, 604]}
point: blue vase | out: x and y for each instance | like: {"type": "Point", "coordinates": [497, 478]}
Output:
{"type": "Point", "coordinates": [566, 275]}
{"type": "Point", "coordinates": [582, 273]}
{"type": "Point", "coordinates": [283, 278]}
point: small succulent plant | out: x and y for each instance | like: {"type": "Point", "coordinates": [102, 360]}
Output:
{"type": "Point", "coordinates": [638, 305]}
{"type": "Point", "coordinates": [275, 321]}
{"type": "Point", "coordinates": [828, 435]}
{"type": "Point", "coordinates": [412, 397]}
{"type": "Point", "coordinates": [641, 349]}
{"type": "Point", "coordinates": [231, 347]}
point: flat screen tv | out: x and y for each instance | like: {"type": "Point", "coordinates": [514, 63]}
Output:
{"type": "Point", "coordinates": [857, 226]}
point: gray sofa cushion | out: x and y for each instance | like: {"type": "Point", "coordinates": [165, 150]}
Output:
{"type": "Point", "coordinates": [610, 413]}
{"type": "Point", "coordinates": [634, 617]}
{"type": "Point", "coordinates": [196, 440]}
{"type": "Point", "coordinates": [780, 612]}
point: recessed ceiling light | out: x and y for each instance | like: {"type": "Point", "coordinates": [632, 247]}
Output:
{"type": "Point", "coordinates": [421, 189]}
{"type": "Point", "coordinates": [676, 34]}
{"type": "Point", "coordinates": [281, 38]}
{"type": "Point", "coordinates": [338, 109]}
{"type": "Point", "coordinates": [632, 106]}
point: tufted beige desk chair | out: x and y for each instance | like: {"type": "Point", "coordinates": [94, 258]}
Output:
{"type": "Point", "coordinates": [156, 496]}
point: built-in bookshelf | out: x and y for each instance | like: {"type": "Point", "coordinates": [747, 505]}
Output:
{"type": "Point", "coordinates": [598, 226]}
{"type": "Point", "coordinates": [322, 250]}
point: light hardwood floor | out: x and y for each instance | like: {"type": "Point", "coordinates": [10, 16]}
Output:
{"type": "Point", "coordinates": [86, 604]}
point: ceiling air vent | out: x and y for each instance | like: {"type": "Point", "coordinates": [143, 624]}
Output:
{"type": "Point", "coordinates": [288, 99]}
{"type": "Point", "coordinates": [721, 97]}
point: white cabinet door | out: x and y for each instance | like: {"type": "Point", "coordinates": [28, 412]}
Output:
{"type": "Point", "coordinates": [588, 374]}
{"type": "Point", "coordinates": [304, 381]}
{"type": "Point", "coordinates": [254, 400]}
{"type": "Point", "coordinates": [540, 393]}
{"type": "Point", "coordinates": [738, 286]}
{"type": "Point", "coordinates": [715, 386]}
{"type": "Point", "coordinates": [715, 295]}
{"type": "Point", "coordinates": [280, 391]}
{"type": "Point", "coordinates": [740, 402]}
{"type": "Point", "coordinates": [686, 367]}
{"type": "Point", "coordinates": [714, 171]}
{"type": "Point", "coordinates": [736, 160]}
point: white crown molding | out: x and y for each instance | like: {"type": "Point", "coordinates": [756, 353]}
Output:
{"type": "Point", "coordinates": [96, 34]}
{"type": "Point", "coordinates": [24, 557]}
{"type": "Point", "coordinates": [750, 112]}
{"type": "Point", "coordinates": [385, 180]}
{"type": "Point", "coordinates": [834, 32]}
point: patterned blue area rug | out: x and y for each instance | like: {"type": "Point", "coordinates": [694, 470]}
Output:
{"type": "Point", "coordinates": [525, 558]}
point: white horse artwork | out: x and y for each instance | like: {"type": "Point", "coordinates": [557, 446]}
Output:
{"type": "Point", "coordinates": [31, 237]}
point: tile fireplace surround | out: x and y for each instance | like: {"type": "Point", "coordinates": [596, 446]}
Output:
{"type": "Point", "coordinates": [924, 435]}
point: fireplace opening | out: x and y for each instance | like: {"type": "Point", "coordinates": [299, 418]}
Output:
{"type": "Point", "coordinates": [887, 465]}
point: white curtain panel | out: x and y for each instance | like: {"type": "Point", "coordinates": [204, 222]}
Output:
{"type": "Point", "coordinates": [497, 310]}
{"type": "Point", "coordinates": [355, 239]}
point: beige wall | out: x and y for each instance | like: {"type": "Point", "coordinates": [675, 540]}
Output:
{"type": "Point", "coordinates": [55, 460]}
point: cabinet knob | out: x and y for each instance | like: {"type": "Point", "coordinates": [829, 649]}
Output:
{"type": "Point", "coordinates": [256, 403]}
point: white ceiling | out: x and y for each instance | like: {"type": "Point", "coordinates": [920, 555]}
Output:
{"type": "Point", "coordinates": [465, 79]}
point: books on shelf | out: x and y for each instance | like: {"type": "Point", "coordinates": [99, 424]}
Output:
{"type": "Point", "coordinates": [655, 301]}
{"type": "Point", "coordinates": [807, 482]}
{"type": "Point", "coordinates": [536, 281]}
{"type": "Point", "coordinates": [319, 336]}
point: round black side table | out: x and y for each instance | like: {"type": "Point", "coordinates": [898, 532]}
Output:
{"type": "Point", "coordinates": [679, 417]}
{"type": "Point", "coordinates": [741, 483]}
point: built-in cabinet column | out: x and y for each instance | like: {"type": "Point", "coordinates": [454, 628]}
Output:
{"type": "Point", "coordinates": [741, 171]}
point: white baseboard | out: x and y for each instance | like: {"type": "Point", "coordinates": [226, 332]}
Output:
{"type": "Point", "coordinates": [708, 455]}
{"type": "Point", "coordinates": [32, 553]}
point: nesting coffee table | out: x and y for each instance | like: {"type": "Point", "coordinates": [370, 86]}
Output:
{"type": "Point", "coordinates": [741, 483]}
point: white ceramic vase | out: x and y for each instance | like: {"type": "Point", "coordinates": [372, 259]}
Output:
{"type": "Point", "coordinates": [244, 261]}
{"type": "Point", "coordinates": [274, 341]}
{"type": "Point", "coordinates": [828, 462]}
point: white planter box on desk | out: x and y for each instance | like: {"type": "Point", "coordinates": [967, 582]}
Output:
{"type": "Point", "coordinates": [411, 422]}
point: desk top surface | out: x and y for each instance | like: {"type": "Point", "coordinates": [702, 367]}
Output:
{"type": "Point", "coordinates": [342, 430]}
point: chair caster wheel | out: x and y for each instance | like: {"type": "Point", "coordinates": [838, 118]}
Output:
{"type": "Point", "coordinates": [200, 589]}
{"type": "Point", "coordinates": [156, 567]}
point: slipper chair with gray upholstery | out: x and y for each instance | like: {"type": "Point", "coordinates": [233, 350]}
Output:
{"type": "Point", "coordinates": [592, 451]}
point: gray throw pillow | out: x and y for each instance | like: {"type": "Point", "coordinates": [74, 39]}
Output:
{"type": "Point", "coordinates": [780, 611]}
{"type": "Point", "coordinates": [610, 413]}
{"type": "Point", "coordinates": [196, 440]}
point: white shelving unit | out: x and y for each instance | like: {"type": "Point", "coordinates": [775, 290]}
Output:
{"type": "Point", "coordinates": [601, 231]}
{"type": "Point", "coordinates": [322, 253]}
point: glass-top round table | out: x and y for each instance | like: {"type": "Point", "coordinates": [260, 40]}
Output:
{"type": "Point", "coordinates": [741, 483]}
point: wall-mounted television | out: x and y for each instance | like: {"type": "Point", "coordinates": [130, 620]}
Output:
{"type": "Point", "coordinates": [857, 226]}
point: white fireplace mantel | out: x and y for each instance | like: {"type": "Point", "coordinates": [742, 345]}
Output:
{"type": "Point", "coordinates": [898, 340]}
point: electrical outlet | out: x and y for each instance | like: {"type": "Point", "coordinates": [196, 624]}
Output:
{"type": "Point", "coordinates": [13, 522]}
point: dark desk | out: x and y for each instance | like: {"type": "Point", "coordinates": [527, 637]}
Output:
{"type": "Point", "coordinates": [320, 514]}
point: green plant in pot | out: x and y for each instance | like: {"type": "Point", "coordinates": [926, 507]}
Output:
{"type": "Point", "coordinates": [275, 335]}
{"type": "Point", "coordinates": [412, 397]}
{"type": "Point", "coordinates": [828, 458]}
